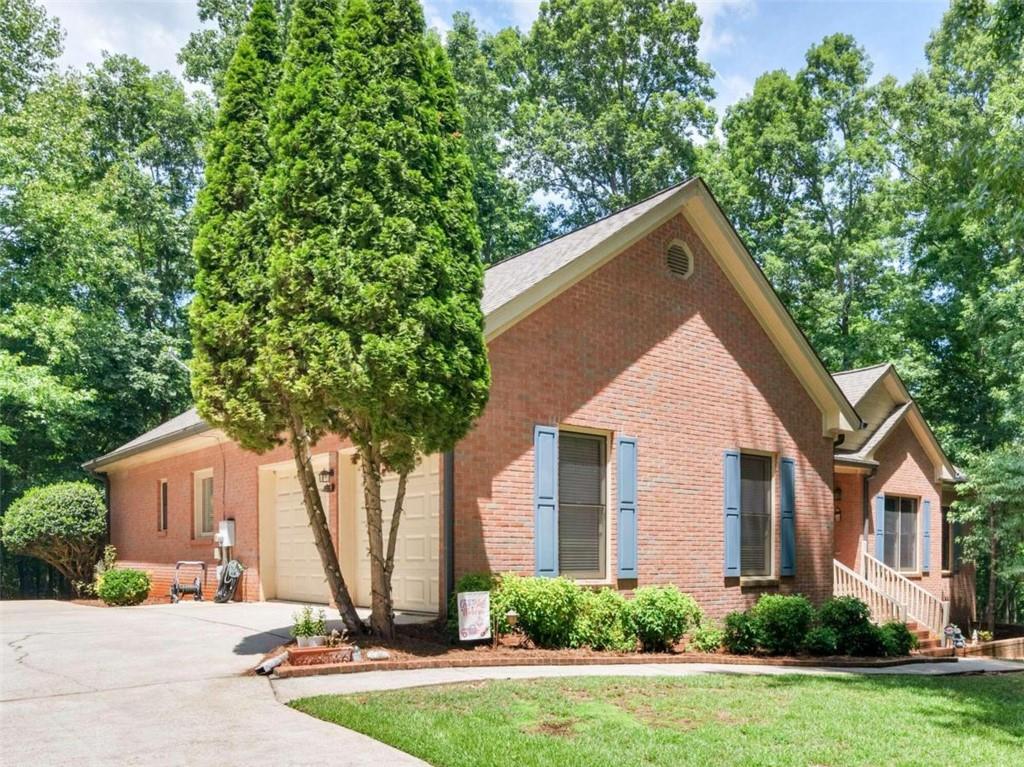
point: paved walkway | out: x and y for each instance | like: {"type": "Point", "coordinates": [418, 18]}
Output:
{"type": "Point", "coordinates": [341, 684]}
{"type": "Point", "coordinates": [157, 685]}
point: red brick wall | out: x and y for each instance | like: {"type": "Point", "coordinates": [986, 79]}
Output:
{"type": "Point", "coordinates": [684, 366]}
{"type": "Point", "coordinates": [134, 499]}
{"type": "Point", "coordinates": [850, 527]}
{"type": "Point", "coordinates": [905, 469]}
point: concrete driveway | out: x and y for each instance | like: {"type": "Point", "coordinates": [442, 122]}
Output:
{"type": "Point", "coordinates": [156, 685]}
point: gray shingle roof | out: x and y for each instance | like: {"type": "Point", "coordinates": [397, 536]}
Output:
{"type": "Point", "coordinates": [182, 425]}
{"type": "Point", "coordinates": [856, 383]}
{"type": "Point", "coordinates": [513, 276]}
{"type": "Point", "coordinates": [883, 431]}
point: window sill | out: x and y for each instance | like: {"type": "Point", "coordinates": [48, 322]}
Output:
{"type": "Point", "coordinates": [947, 573]}
{"type": "Point", "coordinates": [161, 533]}
{"type": "Point", "coordinates": [591, 581]}
{"type": "Point", "coordinates": [758, 580]}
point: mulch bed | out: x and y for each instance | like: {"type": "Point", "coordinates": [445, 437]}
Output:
{"type": "Point", "coordinates": [425, 646]}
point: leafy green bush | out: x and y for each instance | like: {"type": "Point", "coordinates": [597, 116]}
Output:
{"type": "Point", "coordinates": [706, 638]}
{"type": "Point", "coordinates": [866, 641]}
{"type": "Point", "coordinates": [660, 615]}
{"type": "Point", "coordinates": [468, 582]}
{"type": "Point", "coordinates": [61, 524]}
{"type": "Point", "coordinates": [848, 617]}
{"type": "Point", "coordinates": [781, 622]}
{"type": "Point", "coordinates": [821, 640]}
{"type": "Point", "coordinates": [603, 622]}
{"type": "Point", "coordinates": [896, 639]}
{"type": "Point", "coordinates": [548, 607]}
{"type": "Point", "coordinates": [123, 586]}
{"type": "Point", "coordinates": [740, 635]}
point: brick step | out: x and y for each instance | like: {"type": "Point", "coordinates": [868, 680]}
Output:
{"type": "Point", "coordinates": [936, 652]}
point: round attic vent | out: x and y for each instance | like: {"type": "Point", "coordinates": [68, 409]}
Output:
{"type": "Point", "coordinates": [680, 260]}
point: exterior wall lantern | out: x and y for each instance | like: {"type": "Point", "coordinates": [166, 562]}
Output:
{"type": "Point", "coordinates": [326, 480]}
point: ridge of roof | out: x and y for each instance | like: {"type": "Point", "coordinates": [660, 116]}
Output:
{"type": "Point", "coordinates": [856, 383]}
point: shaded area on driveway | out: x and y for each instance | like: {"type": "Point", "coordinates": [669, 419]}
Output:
{"type": "Point", "coordinates": [156, 685]}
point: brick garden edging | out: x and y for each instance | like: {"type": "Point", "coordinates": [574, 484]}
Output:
{"type": "Point", "coordinates": [553, 659]}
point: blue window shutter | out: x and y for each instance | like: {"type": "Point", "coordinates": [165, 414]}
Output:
{"type": "Point", "coordinates": [880, 528]}
{"type": "Point", "coordinates": [545, 496]}
{"type": "Point", "coordinates": [926, 536]}
{"type": "Point", "coordinates": [732, 514]}
{"type": "Point", "coordinates": [787, 515]}
{"type": "Point", "coordinates": [625, 450]}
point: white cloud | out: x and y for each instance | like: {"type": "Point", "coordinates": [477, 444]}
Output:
{"type": "Point", "coordinates": [714, 34]}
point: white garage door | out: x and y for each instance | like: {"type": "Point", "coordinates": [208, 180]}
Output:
{"type": "Point", "coordinates": [300, 574]}
{"type": "Point", "coordinates": [415, 583]}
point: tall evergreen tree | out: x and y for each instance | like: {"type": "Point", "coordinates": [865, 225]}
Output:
{"type": "Point", "coordinates": [377, 330]}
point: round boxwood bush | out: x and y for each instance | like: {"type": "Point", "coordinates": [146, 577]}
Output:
{"type": "Point", "coordinates": [548, 608]}
{"type": "Point", "coordinates": [706, 638]}
{"type": "Point", "coordinates": [896, 639]}
{"type": "Point", "coordinates": [660, 615]}
{"type": "Point", "coordinates": [739, 636]}
{"type": "Point", "coordinates": [781, 622]}
{"type": "Point", "coordinates": [123, 587]}
{"type": "Point", "coordinates": [61, 524]}
{"type": "Point", "coordinates": [821, 640]}
{"type": "Point", "coordinates": [849, 618]}
{"type": "Point", "coordinates": [866, 641]}
{"type": "Point", "coordinates": [603, 622]}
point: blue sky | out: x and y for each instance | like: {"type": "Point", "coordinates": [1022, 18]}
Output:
{"type": "Point", "coordinates": [740, 38]}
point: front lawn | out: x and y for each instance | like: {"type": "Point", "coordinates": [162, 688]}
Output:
{"type": "Point", "coordinates": [698, 720]}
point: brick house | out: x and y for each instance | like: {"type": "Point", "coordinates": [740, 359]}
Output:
{"type": "Point", "coordinates": [655, 417]}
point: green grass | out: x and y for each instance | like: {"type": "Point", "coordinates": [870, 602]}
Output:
{"type": "Point", "coordinates": [698, 720]}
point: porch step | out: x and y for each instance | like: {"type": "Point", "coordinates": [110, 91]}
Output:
{"type": "Point", "coordinates": [925, 639]}
{"type": "Point", "coordinates": [936, 652]}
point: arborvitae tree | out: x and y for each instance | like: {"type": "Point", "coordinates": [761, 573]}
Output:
{"type": "Point", "coordinates": [377, 330]}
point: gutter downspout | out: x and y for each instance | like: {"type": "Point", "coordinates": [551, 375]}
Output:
{"type": "Point", "coordinates": [449, 528]}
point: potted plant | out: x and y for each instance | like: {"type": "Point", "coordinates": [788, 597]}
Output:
{"type": "Point", "coordinates": [303, 626]}
{"type": "Point", "coordinates": [318, 627]}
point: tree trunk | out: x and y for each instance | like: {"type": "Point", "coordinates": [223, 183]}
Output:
{"type": "Point", "coordinates": [321, 530]}
{"type": "Point", "coordinates": [382, 565]}
{"type": "Point", "coordinates": [990, 605]}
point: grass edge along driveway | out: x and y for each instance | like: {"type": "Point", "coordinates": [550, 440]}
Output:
{"type": "Point", "coordinates": [698, 720]}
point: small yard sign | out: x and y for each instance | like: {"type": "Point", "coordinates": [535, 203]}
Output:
{"type": "Point", "coordinates": [474, 615]}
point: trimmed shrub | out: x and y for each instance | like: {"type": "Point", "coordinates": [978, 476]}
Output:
{"type": "Point", "coordinates": [548, 607]}
{"type": "Point", "coordinates": [706, 638]}
{"type": "Point", "coordinates": [896, 639]}
{"type": "Point", "coordinates": [866, 641]}
{"type": "Point", "coordinates": [61, 524]}
{"type": "Point", "coordinates": [660, 615]}
{"type": "Point", "coordinates": [739, 636]}
{"type": "Point", "coordinates": [468, 582]}
{"type": "Point", "coordinates": [123, 587]}
{"type": "Point", "coordinates": [849, 618]}
{"type": "Point", "coordinates": [602, 622]}
{"type": "Point", "coordinates": [821, 640]}
{"type": "Point", "coordinates": [781, 622]}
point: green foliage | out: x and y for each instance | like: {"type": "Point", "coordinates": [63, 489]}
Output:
{"type": "Point", "coordinates": [509, 222]}
{"type": "Point", "coordinates": [229, 311]}
{"type": "Point", "coordinates": [740, 634]}
{"type": "Point", "coordinates": [30, 41]}
{"type": "Point", "coordinates": [896, 639]}
{"type": "Point", "coordinates": [609, 94]}
{"type": "Point", "coordinates": [866, 641]}
{"type": "Point", "coordinates": [706, 638]}
{"type": "Point", "coordinates": [123, 587]}
{"type": "Point", "coordinates": [603, 622]}
{"type": "Point", "coordinates": [309, 623]}
{"type": "Point", "coordinates": [821, 640]}
{"type": "Point", "coordinates": [468, 582]}
{"type": "Point", "coordinates": [61, 524]}
{"type": "Point", "coordinates": [989, 516]}
{"type": "Point", "coordinates": [548, 608]}
{"type": "Point", "coordinates": [660, 615]}
{"type": "Point", "coordinates": [848, 618]}
{"type": "Point", "coordinates": [781, 622]}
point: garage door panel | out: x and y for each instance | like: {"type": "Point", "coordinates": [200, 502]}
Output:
{"type": "Point", "coordinates": [300, 574]}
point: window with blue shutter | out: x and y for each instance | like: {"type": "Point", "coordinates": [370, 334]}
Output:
{"type": "Point", "coordinates": [732, 513]}
{"type": "Point", "coordinates": [880, 528]}
{"type": "Point", "coordinates": [787, 515]}
{"type": "Point", "coordinates": [625, 451]}
{"type": "Point", "coordinates": [545, 478]}
{"type": "Point", "coordinates": [926, 535]}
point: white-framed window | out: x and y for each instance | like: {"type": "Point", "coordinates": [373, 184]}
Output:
{"type": "Point", "coordinates": [161, 519]}
{"type": "Point", "coordinates": [202, 499]}
{"type": "Point", "coordinates": [755, 515]}
{"type": "Point", "coordinates": [582, 505]}
{"type": "Point", "coordinates": [900, 543]}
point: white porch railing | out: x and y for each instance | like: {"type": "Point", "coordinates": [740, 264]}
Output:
{"type": "Point", "coordinates": [918, 604]}
{"type": "Point", "coordinates": [847, 583]}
